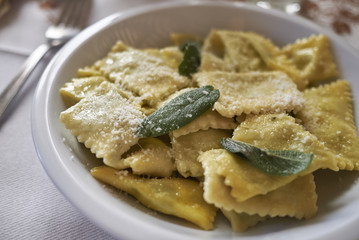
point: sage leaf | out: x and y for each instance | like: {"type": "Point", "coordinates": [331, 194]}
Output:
{"type": "Point", "coordinates": [191, 59]}
{"type": "Point", "coordinates": [184, 45]}
{"type": "Point", "coordinates": [178, 112]}
{"type": "Point", "coordinates": [272, 162]}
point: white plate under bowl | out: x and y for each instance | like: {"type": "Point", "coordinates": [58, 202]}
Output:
{"type": "Point", "coordinates": [68, 163]}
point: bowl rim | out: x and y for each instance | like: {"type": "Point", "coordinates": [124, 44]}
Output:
{"type": "Point", "coordinates": [46, 148]}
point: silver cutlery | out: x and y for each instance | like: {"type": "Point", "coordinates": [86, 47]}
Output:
{"type": "Point", "coordinates": [71, 21]}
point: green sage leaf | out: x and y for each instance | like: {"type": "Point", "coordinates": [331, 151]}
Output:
{"type": "Point", "coordinates": [178, 112]}
{"type": "Point", "coordinates": [191, 58]}
{"type": "Point", "coordinates": [272, 162]}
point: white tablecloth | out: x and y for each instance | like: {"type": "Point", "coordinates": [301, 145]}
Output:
{"type": "Point", "coordinates": [30, 205]}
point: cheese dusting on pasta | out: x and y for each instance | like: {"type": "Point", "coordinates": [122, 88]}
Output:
{"type": "Point", "coordinates": [266, 99]}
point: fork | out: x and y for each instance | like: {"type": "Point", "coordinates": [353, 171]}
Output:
{"type": "Point", "coordinates": [72, 19]}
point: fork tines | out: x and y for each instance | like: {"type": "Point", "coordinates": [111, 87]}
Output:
{"type": "Point", "coordinates": [67, 16]}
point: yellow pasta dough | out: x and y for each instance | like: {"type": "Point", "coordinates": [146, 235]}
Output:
{"type": "Point", "coordinates": [271, 131]}
{"type": "Point", "coordinates": [280, 131]}
{"type": "Point", "coordinates": [235, 49]}
{"type": "Point", "coordinates": [210, 62]}
{"type": "Point", "coordinates": [144, 73]}
{"type": "Point", "coordinates": [242, 221]}
{"type": "Point", "coordinates": [105, 122]}
{"type": "Point", "coordinates": [188, 147]}
{"type": "Point", "coordinates": [264, 47]}
{"type": "Point", "coordinates": [175, 196]}
{"type": "Point", "coordinates": [154, 158]}
{"type": "Point", "coordinates": [307, 60]}
{"type": "Point", "coordinates": [171, 56]}
{"type": "Point", "coordinates": [89, 71]}
{"type": "Point", "coordinates": [181, 38]}
{"type": "Point", "coordinates": [210, 119]}
{"type": "Point", "coordinates": [264, 101]}
{"type": "Point", "coordinates": [328, 114]}
{"type": "Point", "coordinates": [255, 92]}
{"type": "Point", "coordinates": [72, 92]}
{"type": "Point", "coordinates": [238, 175]}
{"type": "Point", "coordinates": [295, 198]}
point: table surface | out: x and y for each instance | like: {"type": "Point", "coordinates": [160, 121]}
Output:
{"type": "Point", "coordinates": [30, 205]}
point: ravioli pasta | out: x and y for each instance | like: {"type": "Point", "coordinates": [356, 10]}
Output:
{"type": "Point", "coordinates": [188, 147]}
{"type": "Point", "coordinates": [104, 122]}
{"type": "Point", "coordinates": [252, 92]}
{"type": "Point", "coordinates": [272, 97]}
{"type": "Point", "coordinates": [295, 199]}
{"type": "Point", "coordinates": [327, 114]}
{"type": "Point", "coordinates": [132, 69]}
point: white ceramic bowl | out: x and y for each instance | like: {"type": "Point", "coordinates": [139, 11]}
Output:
{"type": "Point", "coordinates": [68, 163]}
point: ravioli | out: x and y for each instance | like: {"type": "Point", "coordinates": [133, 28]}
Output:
{"type": "Point", "coordinates": [210, 119]}
{"type": "Point", "coordinates": [267, 99]}
{"type": "Point", "coordinates": [175, 196]}
{"type": "Point", "coordinates": [295, 197]}
{"type": "Point", "coordinates": [242, 221]}
{"type": "Point", "coordinates": [210, 62]}
{"type": "Point", "coordinates": [89, 71]}
{"type": "Point", "coordinates": [235, 49]}
{"type": "Point", "coordinates": [306, 61]}
{"type": "Point", "coordinates": [146, 74]}
{"type": "Point", "coordinates": [281, 131]}
{"type": "Point", "coordinates": [181, 38]}
{"type": "Point", "coordinates": [153, 158]}
{"type": "Point", "coordinates": [271, 131]}
{"type": "Point", "coordinates": [72, 92]}
{"type": "Point", "coordinates": [188, 147]}
{"type": "Point", "coordinates": [171, 56]}
{"type": "Point", "coordinates": [105, 122]}
{"type": "Point", "coordinates": [328, 114]}
{"type": "Point", "coordinates": [264, 46]}
{"type": "Point", "coordinates": [254, 92]}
